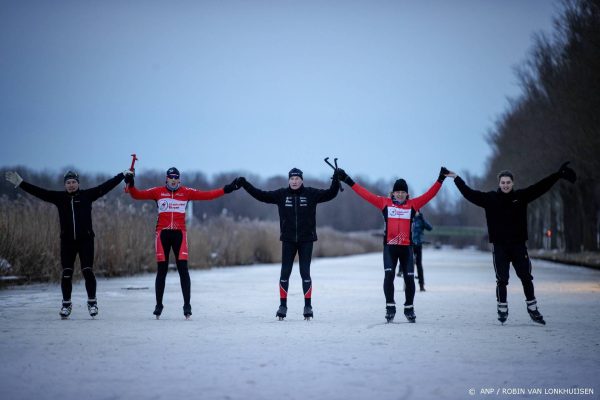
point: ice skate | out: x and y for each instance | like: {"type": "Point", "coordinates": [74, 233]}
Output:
{"type": "Point", "coordinates": [158, 310]}
{"type": "Point", "coordinates": [409, 313]}
{"type": "Point", "coordinates": [65, 310]}
{"type": "Point", "coordinates": [92, 305]}
{"type": "Point", "coordinates": [422, 287]}
{"type": "Point", "coordinates": [187, 311]}
{"type": "Point", "coordinates": [308, 313]}
{"type": "Point", "coordinates": [281, 312]}
{"type": "Point", "coordinates": [390, 312]}
{"type": "Point", "coordinates": [502, 312]}
{"type": "Point", "coordinates": [534, 313]}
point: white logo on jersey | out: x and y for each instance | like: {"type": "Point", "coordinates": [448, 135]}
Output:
{"type": "Point", "coordinates": [171, 205]}
{"type": "Point", "coordinates": [401, 213]}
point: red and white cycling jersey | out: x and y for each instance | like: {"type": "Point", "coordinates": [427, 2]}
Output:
{"type": "Point", "coordinates": [171, 205]}
{"type": "Point", "coordinates": [398, 217]}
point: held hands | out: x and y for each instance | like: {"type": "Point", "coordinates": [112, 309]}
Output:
{"type": "Point", "coordinates": [445, 173]}
{"type": "Point", "coordinates": [343, 176]}
{"type": "Point", "coordinates": [234, 185]}
{"type": "Point", "coordinates": [13, 177]}
{"type": "Point", "coordinates": [567, 173]}
{"type": "Point", "coordinates": [129, 174]}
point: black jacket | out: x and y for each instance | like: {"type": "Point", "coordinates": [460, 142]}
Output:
{"type": "Point", "coordinates": [74, 210]}
{"type": "Point", "coordinates": [506, 213]}
{"type": "Point", "coordinates": [297, 208]}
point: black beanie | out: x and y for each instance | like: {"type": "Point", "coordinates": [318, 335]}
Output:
{"type": "Point", "coordinates": [295, 172]}
{"type": "Point", "coordinates": [400, 185]}
{"type": "Point", "coordinates": [173, 173]}
{"type": "Point", "coordinates": [71, 175]}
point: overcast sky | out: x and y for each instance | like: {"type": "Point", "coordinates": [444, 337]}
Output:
{"type": "Point", "coordinates": [392, 88]}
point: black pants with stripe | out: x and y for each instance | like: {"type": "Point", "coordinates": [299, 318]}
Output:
{"type": "Point", "coordinates": [504, 255]}
{"type": "Point", "coordinates": [69, 249]}
{"type": "Point", "coordinates": [392, 254]}
{"type": "Point", "coordinates": [288, 253]}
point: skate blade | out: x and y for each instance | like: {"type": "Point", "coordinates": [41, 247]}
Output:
{"type": "Point", "coordinates": [188, 317]}
{"type": "Point", "coordinates": [307, 318]}
{"type": "Point", "coordinates": [280, 318]}
{"type": "Point", "coordinates": [64, 318]}
{"type": "Point", "coordinates": [157, 316]}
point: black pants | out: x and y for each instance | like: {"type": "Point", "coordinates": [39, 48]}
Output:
{"type": "Point", "coordinates": [172, 239]}
{"type": "Point", "coordinates": [68, 251]}
{"type": "Point", "coordinates": [391, 255]}
{"type": "Point", "coordinates": [418, 254]}
{"type": "Point", "coordinates": [288, 253]}
{"type": "Point", "coordinates": [504, 254]}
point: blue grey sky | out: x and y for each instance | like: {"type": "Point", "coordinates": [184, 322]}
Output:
{"type": "Point", "coordinates": [392, 88]}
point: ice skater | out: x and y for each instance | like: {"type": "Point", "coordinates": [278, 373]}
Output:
{"type": "Point", "coordinates": [398, 212]}
{"type": "Point", "coordinates": [76, 233]}
{"type": "Point", "coordinates": [171, 202]}
{"type": "Point", "coordinates": [297, 220]}
{"type": "Point", "coordinates": [506, 215]}
{"type": "Point", "coordinates": [419, 226]}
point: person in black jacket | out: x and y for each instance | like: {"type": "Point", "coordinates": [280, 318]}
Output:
{"type": "Point", "coordinates": [506, 215]}
{"type": "Point", "coordinates": [76, 232]}
{"type": "Point", "coordinates": [297, 220]}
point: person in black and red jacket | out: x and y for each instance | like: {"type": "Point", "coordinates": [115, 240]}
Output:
{"type": "Point", "coordinates": [398, 212]}
{"type": "Point", "coordinates": [506, 215]}
{"type": "Point", "coordinates": [76, 234]}
{"type": "Point", "coordinates": [297, 220]}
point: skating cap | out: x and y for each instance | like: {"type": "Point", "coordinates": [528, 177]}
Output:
{"type": "Point", "coordinates": [71, 175]}
{"type": "Point", "coordinates": [173, 173]}
{"type": "Point", "coordinates": [400, 185]}
{"type": "Point", "coordinates": [295, 172]}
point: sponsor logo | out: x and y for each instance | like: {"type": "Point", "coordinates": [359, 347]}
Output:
{"type": "Point", "coordinates": [401, 213]}
{"type": "Point", "coordinates": [171, 205]}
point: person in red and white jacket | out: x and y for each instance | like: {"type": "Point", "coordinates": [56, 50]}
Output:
{"type": "Point", "coordinates": [398, 211]}
{"type": "Point", "coordinates": [171, 202]}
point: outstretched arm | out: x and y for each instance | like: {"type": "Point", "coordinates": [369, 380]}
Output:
{"type": "Point", "coordinates": [329, 194]}
{"type": "Point", "coordinates": [260, 195]}
{"type": "Point", "coordinates": [534, 191]}
{"type": "Point", "coordinates": [106, 187]}
{"type": "Point", "coordinates": [50, 196]}
{"type": "Point", "coordinates": [195, 194]}
{"type": "Point", "coordinates": [474, 196]}
{"type": "Point", "coordinates": [148, 194]}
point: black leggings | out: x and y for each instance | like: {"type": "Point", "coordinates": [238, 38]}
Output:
{"type": "Point", "coordinates": [517, 254]}
{"type": "Point", "coordinates": [68, 251]}
{"type": "Point", "coordinates": [418, 254]}
{"type": "Point", "coordinates": [288, 253]}
{"type": "Point", "coordinates": [391, 255]}
{"type": "Point", "coordinates": [172, 239]}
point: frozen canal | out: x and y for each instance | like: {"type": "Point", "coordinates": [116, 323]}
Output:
{"type": "Point", "coordinates": [233, 348]}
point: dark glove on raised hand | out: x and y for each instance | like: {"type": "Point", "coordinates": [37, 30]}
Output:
{"type": "Point", "coordinates": [230, 187]}
{"type": "Point", "coordinates": [567, 173]}
{"type": "Point", "coordinates": [241, 181]}
{"type": "Point", "coordinates": [129, 180]}
{"type": "Point", "coordinates": [443, 172]}
{"type": "Point", "coordinates": [343, 176]}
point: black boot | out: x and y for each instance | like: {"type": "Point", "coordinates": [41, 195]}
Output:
{"type": "Point", "coordinates": [158, 310]}
{"type": "Point", "coordinates": [308, 312]}
{"type": "Point", "coordinates": [390, 312]}
{"type": "Point", "coordinates": [281, 312]}
{"type": "Point", "coordinates": [534, 313]}
{"type": "Point", "coordinates": [409, 313]}
{"type": "Point", "coordinates": [187, 311]}
{"type": "Point", "coordinates": [92, 307]}
{"type": "Point", "coordinates": [65, 310]}
{"type": "Point", "coordinates": [502, 312]}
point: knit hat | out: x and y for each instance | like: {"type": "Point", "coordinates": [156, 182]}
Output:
{"type": "Point", "coordinates": [295, 172]}
{"type": "Point", "coordinates": [400, 185]}
{"type": "Point", "coordinates": [71, 175]}
{"type": "Point", "coordinates": [173, 173]}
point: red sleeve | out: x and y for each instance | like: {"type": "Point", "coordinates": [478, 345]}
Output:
{"type": "Point", "coordinates": [420, 201]}
{"type": "Point", "coordinates": [149, 194]}
{"type": "Point", "coordinates": [378, 201]}
{"type": "Point", "coordinates": [195, 194]}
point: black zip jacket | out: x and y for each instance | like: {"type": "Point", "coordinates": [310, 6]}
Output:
{"type": "Point", "coordinates": [506, 213]}
{"type": "Point", "coordinates": [297, 208]}
{"type": "Point", "coordinates": [74, 210]}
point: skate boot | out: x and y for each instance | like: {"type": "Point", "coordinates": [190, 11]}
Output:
{"type": "Point", "coordinates": [422, 287]}
{"type": "Point", "coordinates": [65, 310]}
{"type": "Point", "coordinates": [187, 311]}
{"type": "Point", "coordinates": [534, 313]}
{"type": "Point", "coordinates": [502, 312]}
{"type": "Point", "coordinates": [158, 310]}
{"type": "Point", "coordinates": [390, 312]}
{"type": "Point", "coordinates": [92, 307]}
{"type": "Point", "coordinates": [281, 312]}
{"type": "Point", "coordinates": [409, 313]}
{"type": "Point", "coordinates": [308, 313]}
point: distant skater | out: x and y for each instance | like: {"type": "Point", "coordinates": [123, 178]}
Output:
{"type": "Point", "coordinates": [171, 202]}
{"type": "Point", "coordinates": [74, 207]}
{"type": "Point", "coordinates": [506, 215]}
{"type": "Point", "coordinates": [398, 211]}
{"type": "Point", "coordinates": [297, 206]}
{"type": "Point", "coordinates": [419, 226]}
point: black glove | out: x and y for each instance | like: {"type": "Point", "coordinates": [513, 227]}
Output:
{"type": "Point", "coordinates": [234, 185]}
{"type": "Point", "coordinates": [241, 181]}
{"type": "Point", "coordinates": [129, 180]}
{"type": "Point", "coordinates": [567, 173]}
{"type": "Point", "coordinates": [343, 176]}
{"type": "Point", "coordinates": [442, 175]}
